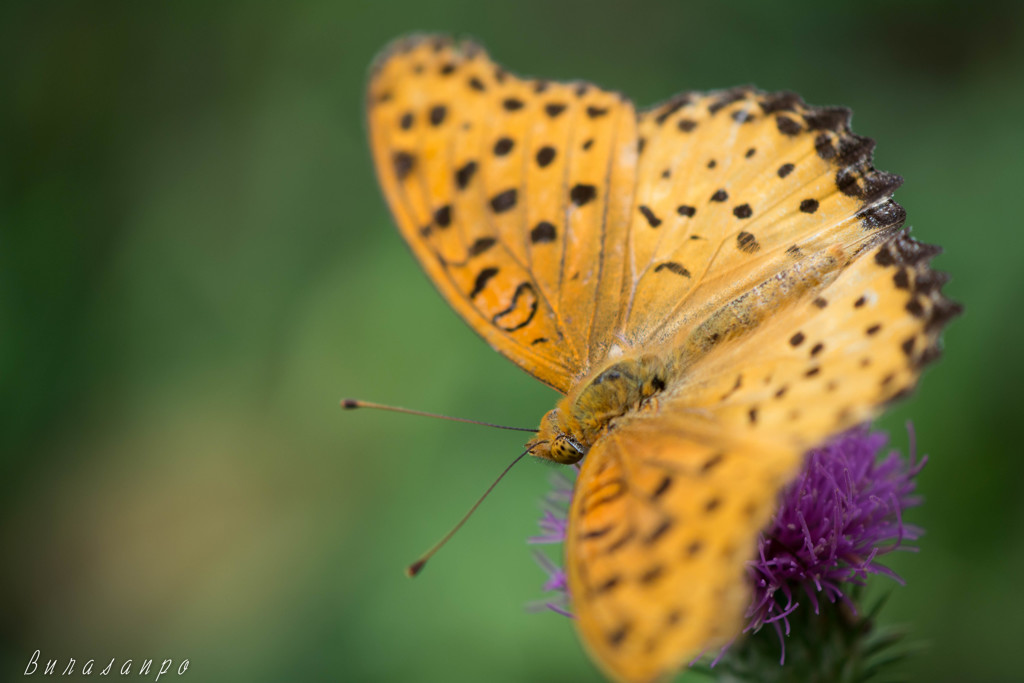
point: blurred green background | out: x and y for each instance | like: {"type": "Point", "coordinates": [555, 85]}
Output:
{"type": "Point", "coordinates": [196, 264]}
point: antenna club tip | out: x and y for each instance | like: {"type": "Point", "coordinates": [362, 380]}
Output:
{"type": "Point", "coordinates": [349, 403]}
{"type": "Point", "coordinates": [415, 568]}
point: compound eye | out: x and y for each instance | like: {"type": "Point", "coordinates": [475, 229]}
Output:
{"type": "Point", "coordinates": [566, 451]}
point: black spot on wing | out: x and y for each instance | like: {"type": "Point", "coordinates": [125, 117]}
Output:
{"type": "Point", "coordinates": [553, 109]}
{"type": "Point", "coordinates": [652, 220]}
{"type": "Point", "coordinates": [403, 163]}
{"type": "Point", "coordinates": [621, 542]}
{"type": "Point", "coordinates": [503, 146]}
{"type": "Point", "coordinates": [725, 99]}
{"type": "Point", "coordinates": [599, 532]}
{"type": "Point", "coordinates": [465, 174]}
{"type": "Point", "coordinates": [780, 101]}
{"type": "Point", "coordinates": [581, 194]}
{"type": "Point", "coordinates": [481, 245]}
{"type": "Point", "coordinates": [503, 201]}
{"type": "Point", "coordinates": [788, 126]}
{"type": "Point", "coordinates": [438, 114]}
{"type": "Point", "coordinates": [671, 107]}
{"type": "Point", "coordinates": [524, 289]}
{"type": "Point", "coordinates": [482, 278]}
{"type": "Point", "coordinates": [746, 242]}
{"type": "Point", "coordinates": [653, 574]}
{"type": "Point", "coordinates": [673, 267]}
{"type": "Point", "coordinates": [835, 119]}
{"type": "Point", "coordinates": [809, 205]}
{"type": "Point", "coordinates": [545, 155]}
{"type": "Point", "coordinates": [712, 462]}
{"type": "Point", "coordinates": [867, 186]}
{"type": "Point", "coordinates": [901, 279]}
{"type": "Point", "coordinates": [658, 531]}
{"type": "Point", "coordinates": [618, 635]}
{"type": "Point", "coordinates": [443, 216]}
{"type": "Point", "coordinates": [824, 146]}
{"type": "Point", "coordinates": [608, 585]}
{"type": "Point", "coordinates": [543, 232]}
{"type": "Point", "coordinates": [884, 215]}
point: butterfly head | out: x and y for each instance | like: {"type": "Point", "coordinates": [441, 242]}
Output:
{"type": "Point", "coordinates": [621, 385]}
{"type": "Point", "coordinates": [556, 442]}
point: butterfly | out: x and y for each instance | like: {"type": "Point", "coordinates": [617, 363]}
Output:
{"type": "Point", "coordinates": [715, 284]}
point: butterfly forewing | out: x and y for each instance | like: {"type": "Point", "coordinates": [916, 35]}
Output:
{"type": "Point", "coordinates": [734, 188]}
{"type": "Point", "coordinates": [513, 194]}
{"type": "Point", "coordinates": [666, 512]}
{"type": "Point", "coordinates": [836, 356]}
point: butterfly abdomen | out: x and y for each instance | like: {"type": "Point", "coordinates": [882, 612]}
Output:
{"type": "Point", "coordinates": [808, 274]}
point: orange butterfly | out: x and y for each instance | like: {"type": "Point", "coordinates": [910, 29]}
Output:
{"type": "Point", "coordinates": [717, 284]}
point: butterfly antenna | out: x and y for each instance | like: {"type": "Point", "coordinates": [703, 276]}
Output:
{"type": "Point", "coordinates": [353, 403]}
{"type": "Point", "coordinates": [417, 566]}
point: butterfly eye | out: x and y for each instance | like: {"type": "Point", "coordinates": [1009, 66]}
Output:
{"type": "Point", "coordinates": [566, 450]}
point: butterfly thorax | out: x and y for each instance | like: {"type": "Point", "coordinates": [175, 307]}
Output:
{"type": "Point", "coordinates": [619, 386]}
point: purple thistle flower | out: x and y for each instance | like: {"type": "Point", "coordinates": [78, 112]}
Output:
{"type": "Point", "coordinates": [554, 523]}
{"type": "Point", "coordinates": [841, 514]}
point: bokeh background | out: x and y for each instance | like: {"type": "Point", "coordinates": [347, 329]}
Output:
{"type": "Point", "coordinates": [196, 264]}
